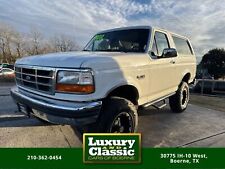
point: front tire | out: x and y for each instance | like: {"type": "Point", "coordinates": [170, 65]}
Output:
{"type": "Point", "coordinates": [118, 115]}
{"type": "Point", "coordinates": [179, 101]}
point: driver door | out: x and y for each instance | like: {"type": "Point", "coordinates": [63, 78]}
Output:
{"type": "Point", "coordinates": [162, 70]}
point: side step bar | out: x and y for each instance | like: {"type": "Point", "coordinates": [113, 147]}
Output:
{"type": "Point", "coordinates": [156, 103]}
{"type": "Point", "coordinates": [160, 104]}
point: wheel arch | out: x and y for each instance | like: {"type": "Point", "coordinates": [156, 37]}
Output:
{"type": "Point", "coordinates": [126, 91]}
{"type": "Point", "coordinates": [186, 78]}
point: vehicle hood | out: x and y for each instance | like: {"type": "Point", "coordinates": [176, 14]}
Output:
{"type": "Point", "coordinates": [80, 59]}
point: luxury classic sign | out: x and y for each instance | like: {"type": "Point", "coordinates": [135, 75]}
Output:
{"type": "Point", "coordinates": [112, 148]}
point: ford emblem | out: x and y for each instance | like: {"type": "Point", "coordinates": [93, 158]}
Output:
{"type": "Point", "coordinates": [27, 78]}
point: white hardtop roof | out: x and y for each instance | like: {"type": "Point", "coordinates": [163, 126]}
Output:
{"type": "Point", "coordinates": [142, 27]}
{"type": "Point", "coordinates": [172, 33]}
{"type": "Point", "coordinates": [126, 28]}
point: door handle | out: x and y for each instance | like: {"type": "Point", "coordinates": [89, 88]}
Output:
{"type": "Point", "coordinates": [172, 61]}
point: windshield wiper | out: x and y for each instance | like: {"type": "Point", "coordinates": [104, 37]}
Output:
{"type": "Point", "coordinates": [110, 50]}
{"type": "Point", "coordinates": [124, 51]}
{"type": "Point", "coordinates": [105, 50]}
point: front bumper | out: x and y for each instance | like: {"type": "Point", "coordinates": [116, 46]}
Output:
{"type": "Point", "coordinates": [57, 111]}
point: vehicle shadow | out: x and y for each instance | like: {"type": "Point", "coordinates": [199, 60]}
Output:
{"type": "Point", "coordinates": [150, 120]}
{"type": "Point", "coordinates": [149, 114]}
{"type": "Point", "coordinates": [22, 122]}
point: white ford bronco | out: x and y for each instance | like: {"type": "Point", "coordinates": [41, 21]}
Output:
{"type": "Point", "coordinates": [102, 86]}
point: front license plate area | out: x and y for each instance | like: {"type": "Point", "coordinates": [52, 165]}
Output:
{"type": "Point", "coordinates": [23, 109]}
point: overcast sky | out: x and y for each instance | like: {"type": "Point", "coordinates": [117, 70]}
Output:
{"type": "Point", "coordinates": [203, 21]}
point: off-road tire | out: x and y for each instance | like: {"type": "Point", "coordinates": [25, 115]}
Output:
{"type": "Point", "coordinates": [178, 102]}
{"type": "Point", "coordinates": [114, 108]}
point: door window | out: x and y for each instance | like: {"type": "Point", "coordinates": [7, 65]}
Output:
{"type": "Point", "coordinates": [160, 43]}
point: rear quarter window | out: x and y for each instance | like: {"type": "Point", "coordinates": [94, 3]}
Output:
{"type": "Point", "coordinates": [182, 45]}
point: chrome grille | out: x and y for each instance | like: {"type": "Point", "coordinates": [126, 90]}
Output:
{"type": "Point", "coordinates": [41, 79]}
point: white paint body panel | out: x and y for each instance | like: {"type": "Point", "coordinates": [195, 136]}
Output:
{"type": "Point", "coordinates": [114, 69]}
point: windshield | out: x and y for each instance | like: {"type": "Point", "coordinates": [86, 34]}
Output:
{"type": "Point", "coordinates": [130, 40]}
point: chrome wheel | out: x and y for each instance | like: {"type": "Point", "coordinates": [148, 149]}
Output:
{"type": "Point", "coordinates": [184, 97]}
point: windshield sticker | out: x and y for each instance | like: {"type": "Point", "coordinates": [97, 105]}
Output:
{"type": "Point", "coordinates": [99, 37]}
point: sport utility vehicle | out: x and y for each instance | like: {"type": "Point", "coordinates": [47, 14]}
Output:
{"type": "Point", "coordinates": [103, 86]}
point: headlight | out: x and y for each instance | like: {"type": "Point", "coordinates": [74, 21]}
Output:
{"type": "Point", "coordinates": [75, 81]}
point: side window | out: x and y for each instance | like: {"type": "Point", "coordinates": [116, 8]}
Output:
{"type": "Point", "coordinates": [161, 42]}
{"type": "Point", "coordinates": [182, 46]}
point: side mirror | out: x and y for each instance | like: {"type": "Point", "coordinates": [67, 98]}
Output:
{"type": "Point", "coordinates": [169, 52]}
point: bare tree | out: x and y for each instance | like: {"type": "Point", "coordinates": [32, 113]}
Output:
{"type": "Point", "coordinates": [64, 43]}
{"type": "Point", "coordinates": [6, 36]}
{"type": "Point", "coordinates": [47, 47]}
{"type": "Point", "coordinates": [18, 45]}
{"type": "Point", "coordinates": [14, 44]}
{"type": "Point", "coordinates": [34, 45]}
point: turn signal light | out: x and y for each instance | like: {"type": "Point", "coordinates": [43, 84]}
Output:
{"type": "Point", "coordinates": [75, 88]}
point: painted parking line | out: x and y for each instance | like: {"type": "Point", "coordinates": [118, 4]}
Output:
{"type": "Point", "coordinates": [12, 116]}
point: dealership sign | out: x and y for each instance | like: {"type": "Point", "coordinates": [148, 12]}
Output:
{"type": "Point", "coordinates": [111, 148]}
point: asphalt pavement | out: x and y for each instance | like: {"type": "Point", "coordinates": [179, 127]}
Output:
{"type": "Point", "coordinates": [196, 127]}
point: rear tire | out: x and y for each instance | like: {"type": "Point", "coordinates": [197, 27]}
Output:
{"type": "Point", "coordinates": [179, 101]}
{"type": "Point", "coordinates": [118, 115]}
